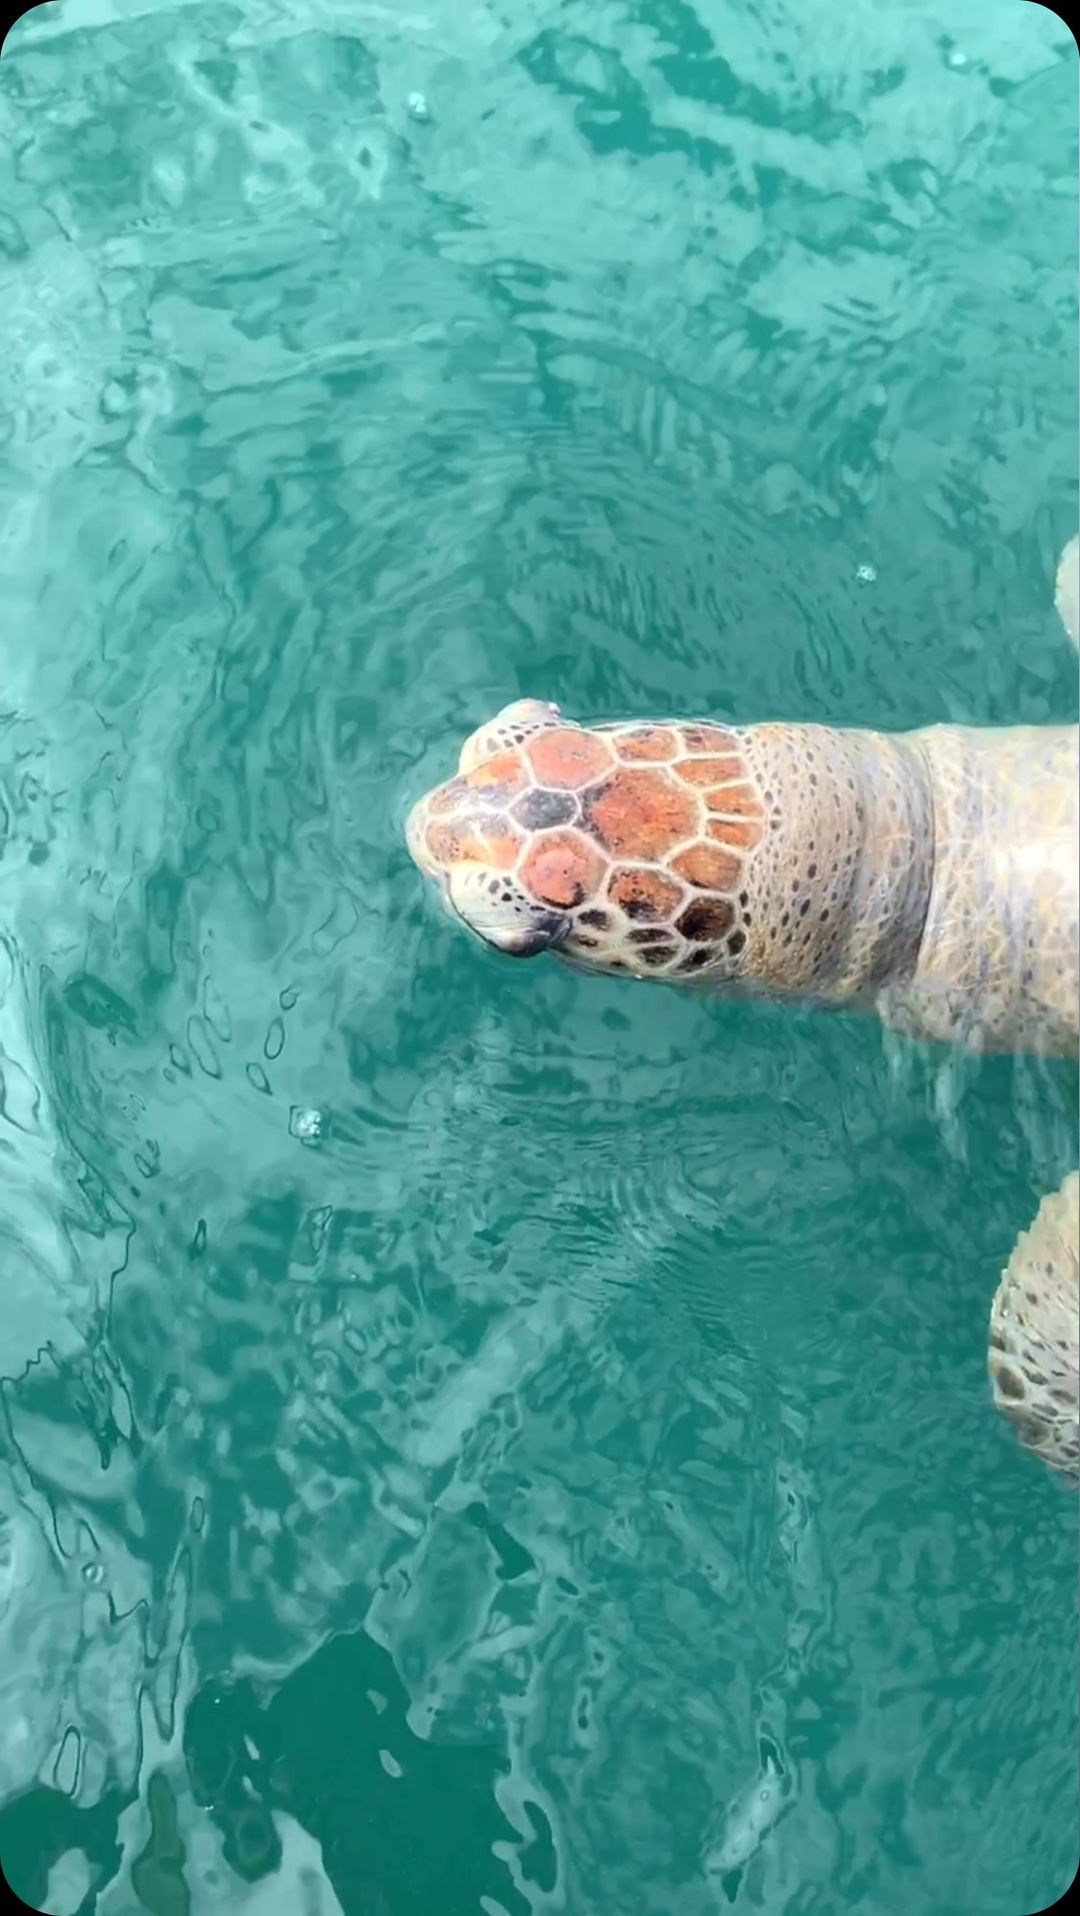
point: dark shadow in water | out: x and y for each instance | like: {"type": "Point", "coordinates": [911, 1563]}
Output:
{"type": "Point", "coordinates": [334, 1749]}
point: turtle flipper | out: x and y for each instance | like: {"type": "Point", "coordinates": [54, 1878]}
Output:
{"type": "Point", "coordinates": [1067, 589]}
{"type": "Point", "coordinates": [1034, 1351]}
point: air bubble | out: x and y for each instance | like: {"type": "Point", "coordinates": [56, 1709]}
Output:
{"type": "Point", "coordinates": [307, 1123]}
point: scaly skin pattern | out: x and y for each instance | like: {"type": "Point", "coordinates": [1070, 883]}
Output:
{"type": "Point", "coordinates": [932, 876]}
{"type": "Point", "coordinates": [999, 957]}
{"type": "Point", "coordinates": [1033, 1356]}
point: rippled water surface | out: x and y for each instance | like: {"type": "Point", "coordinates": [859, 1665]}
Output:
{"type": "Point", "coordinates": [475, 1438]}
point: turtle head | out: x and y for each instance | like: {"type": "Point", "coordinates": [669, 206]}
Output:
{"type": "Point", "coordinates": [623, 848]}
{"type": "Point", "coordinates": [465, 836]}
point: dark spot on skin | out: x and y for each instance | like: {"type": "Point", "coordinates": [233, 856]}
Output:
{"type": "Point", "coordinates": [706, 918]}
{"type": "Point", "coordinates": [736, 942]}
{"type": "Point", "coordinates": [1008, 1383]}
{"type": "Point", "coordinates": [654, 936]}
{"type": "Point", "coordinates": [657, 954]}
{"type": "Point", "coordinates": [539, 808]}
{"type": "Point", "coordinates": [598, 920]}
{"type": "Point", "coordinates": [804, 908]}
{"type": "Point", "coordinates": [695, 960]}
{"type": "Point", "coordinates": [586, 944]}
{"type": "Point", "coordinates": [811, 871]}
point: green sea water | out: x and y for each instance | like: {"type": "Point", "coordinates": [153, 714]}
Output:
{"type": "Point", "coordinates": [477, 1440]}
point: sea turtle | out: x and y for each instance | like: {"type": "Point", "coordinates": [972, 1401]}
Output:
{"type": "Point", "coordinates": [930, 876]}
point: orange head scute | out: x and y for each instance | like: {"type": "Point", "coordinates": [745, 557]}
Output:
{"type": "Point", "coordinates": [742, 834]}
{"type": "Point", "coordinates": [567, 758]}
{"type": "Point", "coordinates": [645, 896]}
{"type": "Point", "coordinates": [499, 778]}
{"type": "Point", "coordinates": [698, 739]}
{"type": "Point", "coordinates": [490, 842]}
{"type": "Point", "coordinates": [657, 742]}
{"type": "Point", "coordinates": [446, 798]}
{"type": "Point", "coordinates": [704, 773]}
{"type": "Point", "coordinates": [708, 867]}
{"type": "Point", "coordinates": [563, 869]}
{"type": "Point", "coordinates": [641, 814]}
{"type": "Point", "coordinates": [735, 801]}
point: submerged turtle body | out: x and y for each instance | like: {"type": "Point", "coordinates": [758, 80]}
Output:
{"type": "Point", "coordinates": [931, 876]}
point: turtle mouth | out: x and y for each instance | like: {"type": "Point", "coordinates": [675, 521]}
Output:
{"type": "Point", "coordinates": [545, 931]}
{"type": "Point", "coordinates": [516, 926]}
{"type": "Point", "coordinates": [516, 934]}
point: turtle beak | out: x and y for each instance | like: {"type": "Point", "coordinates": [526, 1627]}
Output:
{"type": "Point", "coordinates": [545, 931]}
{"type": "Point", "coordinates": [513, 924]}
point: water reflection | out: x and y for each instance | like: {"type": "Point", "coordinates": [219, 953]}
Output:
{"type": "Point", "coordinates": [602, 1387]}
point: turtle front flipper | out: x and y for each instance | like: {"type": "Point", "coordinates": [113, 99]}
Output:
{"type": "Point", "coordinates": [1034, 1352]}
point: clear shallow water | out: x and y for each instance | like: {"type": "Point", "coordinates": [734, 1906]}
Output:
{"type": "Point", "coordinates": [567, 1481]}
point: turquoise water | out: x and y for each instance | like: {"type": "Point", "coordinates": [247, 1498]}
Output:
{"type": "Point", "coordinates": [474, 1438]}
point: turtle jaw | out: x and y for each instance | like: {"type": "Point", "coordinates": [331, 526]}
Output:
{"type": "Point", "coordinates": [508, 922]}
{"type": "Point", "coordinates": [546, 932]}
